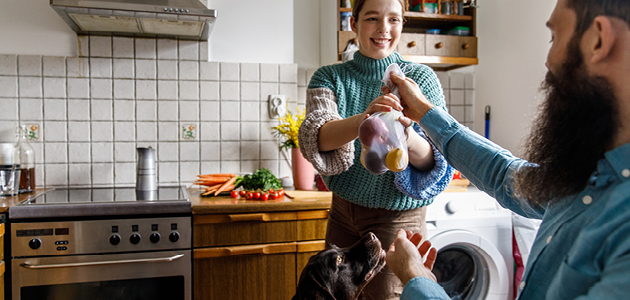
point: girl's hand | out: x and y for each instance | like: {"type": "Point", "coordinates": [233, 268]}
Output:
{"type": "Point", "coordinates": [383, 103]}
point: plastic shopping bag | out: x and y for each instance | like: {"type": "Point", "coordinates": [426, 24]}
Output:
{"type": "Point", "coordinates": [382, 136]}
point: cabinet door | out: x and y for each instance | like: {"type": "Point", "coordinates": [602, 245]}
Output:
{"type": "Point", "coordinates": [442, 45]}
{"type": "Point", "coordinates": [311, 225]}
{"type": "Point", "coordinates": [304, 252]}
{"type": "Point", "coordinates": [255, 272]}
{"type": "Point", "coordinates": [411, 44]}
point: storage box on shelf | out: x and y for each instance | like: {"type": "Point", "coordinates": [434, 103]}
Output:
{"type": "Point", "coordinates": [453, 48]}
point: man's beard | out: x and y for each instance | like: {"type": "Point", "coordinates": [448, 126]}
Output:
{"type": "Point", "coordinates": [575, 125]}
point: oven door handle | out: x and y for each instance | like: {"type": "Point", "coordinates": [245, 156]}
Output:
{"type": "Point", "coordinates": [100, 263]}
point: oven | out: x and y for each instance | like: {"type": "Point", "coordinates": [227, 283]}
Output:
{"type": "Point", "coordinates": [102, 244]}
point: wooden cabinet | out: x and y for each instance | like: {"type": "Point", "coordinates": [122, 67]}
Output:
{"type": "Point", "coordinates": [254, 256]}
{"type": "Point", "coordinates": [442, 51]}
{"type": "Point", "coordinates": [2, 262]}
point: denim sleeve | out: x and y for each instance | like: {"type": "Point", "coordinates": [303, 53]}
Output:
{"type": "Point", "coordinates": [420, 288]}
{"type": "Point", "coordinates": [424, 185]}
{"type": "Point", "coordinates": [488, 166]}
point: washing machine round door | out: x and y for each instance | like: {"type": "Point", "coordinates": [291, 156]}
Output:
{"type": "Point", "coordinates": [469, 267]}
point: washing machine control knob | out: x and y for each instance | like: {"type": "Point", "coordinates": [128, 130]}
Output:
{"type": "Point", "coordinates": [453, 207]}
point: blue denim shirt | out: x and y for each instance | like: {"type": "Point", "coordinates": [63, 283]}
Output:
{"type": "Point", "coordinates": [582, 249]}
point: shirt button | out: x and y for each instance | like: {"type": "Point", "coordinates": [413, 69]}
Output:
{"type": "Point", "coordinates": [549, 239]}
{"type": "Point", "coordinates": [587, 199]}
{"type": "Point", "coordinates": [521, 285]}
{"type": "Point", "coordinates": [625, 173]}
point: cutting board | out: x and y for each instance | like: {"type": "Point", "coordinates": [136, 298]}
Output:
{"type": "Point", "coordinates": [308, 194]}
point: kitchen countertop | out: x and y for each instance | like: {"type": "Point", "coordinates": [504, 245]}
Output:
{"type": "Point", "coordinates": [6, 202]}
{"type": "Point", "coordinates": [302, 200]}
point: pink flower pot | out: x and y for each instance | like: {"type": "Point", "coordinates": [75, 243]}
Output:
{"type": "Point", "coordinates": [303, 171]}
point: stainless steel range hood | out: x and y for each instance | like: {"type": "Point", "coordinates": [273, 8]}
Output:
{"type": "Point", "coordinates": [183, 19]}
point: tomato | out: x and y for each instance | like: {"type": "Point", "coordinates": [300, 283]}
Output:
{"type": "Point", "coordinates": [257, 195]}
{"type": "Point", "coordinates": [280, 193]}
{"type": "Point", "coordinates": [250, 196]}
{"type": "Point", "coordinates": [234, 194]}
{"type": "Point", "coordinates": [243, 193]}
{"type": "Point", "coordinates": [271, 191]}
{"type": "Point", "coordinates": [273, 196]}
{"type": "Point", "coordinates": [264, 197]}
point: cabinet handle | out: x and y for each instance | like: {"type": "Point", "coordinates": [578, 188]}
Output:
{"type": "Point", "coordinates": [245, 250]}
{"type": "Point", "coordinates": [439, 45]}
{"type": "Point", "coordinates": [411, 44]}
{"type": "Point", "coordinates": [465, 46]}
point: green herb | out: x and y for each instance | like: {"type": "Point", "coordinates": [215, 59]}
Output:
{"type": "Point", "coordinates": [261, 179]}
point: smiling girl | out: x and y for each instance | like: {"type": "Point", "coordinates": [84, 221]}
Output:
{"type": "Point", "coordinates": [339, 98]}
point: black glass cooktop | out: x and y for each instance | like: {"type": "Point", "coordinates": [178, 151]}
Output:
{"type": "Point", "coordinates": [71, 202]}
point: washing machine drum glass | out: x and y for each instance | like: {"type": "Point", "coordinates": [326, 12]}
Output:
{"type": "Point", "coordinates": [462, 271]}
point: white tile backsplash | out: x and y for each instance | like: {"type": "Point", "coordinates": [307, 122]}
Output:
{"type": "Point", "coordinates": [123, 68]}
{"type": "Point", "coordinates": [30, 87]}
{"type": "Point", "coordinates": [188, 90]}
{"type": "Point", "coordinates": [54, 109]}
{"type": "Point", "coordinates": [167, 49]}
{"type": "Point", "coordinates": [168, 90]}
{"type": "Point", "coordinates": [79, 152]}
{"type": "Point", "coordinates": [123, 47]}
{"type": "Point", "coordinates": [146, 69]}
{"type": "Point", "coordinates": [54, 66]}
{"type": "Point", "coordinates": [269, 72]}
{"type": "Point", "coordinates": [30, 65]}
{"type": "Point", "coordinates": [125, 152]}
{"type": "Point", "coordinates": [146, 48]}
{"type": "Point", "coordinates": [54, 87]}
{"type": "Point", "coordinates": [189, 70]}
{"type": "Point", "coordinates": [167, 69]}
{"type": "Point", "coordinates": [229, 91]}
{"type": "Point", "coordinates": [100, 46]}
{"type": "Point", "coordinates": [188, 50]}
{"type": "Point", "coordinates": [78, 131]}
{"type": "Point", "coordinates": [8, 86]}
{"type": "Point", "coordinates": [8, 64]}
{"type": "Point", "coordinates": [121, 93]}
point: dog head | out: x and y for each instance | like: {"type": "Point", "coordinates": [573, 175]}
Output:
{"type": "Point", "coordinates": [341, 273]}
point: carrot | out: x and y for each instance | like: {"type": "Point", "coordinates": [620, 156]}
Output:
{"type": "Point", "coordinates": [211, 181]}
{"type": "Point", "coordinates": [226, 185]}
{"type": "Point", "coordinates": [214, 187]}
{"type": "Point", "coordinates": [217, 175]}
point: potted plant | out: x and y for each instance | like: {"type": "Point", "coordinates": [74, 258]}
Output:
{"type": "Point", "coordinates": [287, 132]}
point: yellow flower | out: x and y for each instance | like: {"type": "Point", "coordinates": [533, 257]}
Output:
{"type": "Point", "coordinates": [191, 127]}
{"type": "Point", "coordinates": [289, 127]}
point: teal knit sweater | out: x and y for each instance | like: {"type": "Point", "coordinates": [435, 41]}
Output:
{"type": "Point", "coordinates": [340, 91]}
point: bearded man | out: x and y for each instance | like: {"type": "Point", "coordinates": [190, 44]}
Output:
{"type": "Point", "coordinates": [577, 174]}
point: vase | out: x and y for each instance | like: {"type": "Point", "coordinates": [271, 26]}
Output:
{"type": "Point", "coordinates": [303, 171]}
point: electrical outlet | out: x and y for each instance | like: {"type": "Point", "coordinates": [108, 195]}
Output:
{"type": "Point", "coordinates": [277, 106]}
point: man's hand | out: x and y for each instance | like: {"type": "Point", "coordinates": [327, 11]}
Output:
{"type": "Point", "coordinates": [405, 258]}
{"type": "Point", "coordinates": [415, 104]}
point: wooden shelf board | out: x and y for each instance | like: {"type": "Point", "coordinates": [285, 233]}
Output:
{"type": "Point", "coordinates": [443, 63]}
{"type": "Point", "coordinates": [436, 17]}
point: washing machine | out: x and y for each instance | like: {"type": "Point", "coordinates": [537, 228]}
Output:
{"type": "Point", "coordinates": [473, 236]}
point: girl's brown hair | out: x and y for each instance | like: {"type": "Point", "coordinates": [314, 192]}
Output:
{"type": "Point", "coordinates": [358, 6]}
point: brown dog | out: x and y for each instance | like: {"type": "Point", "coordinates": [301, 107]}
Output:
{"type": "Point", "coordinates": [341, 273]}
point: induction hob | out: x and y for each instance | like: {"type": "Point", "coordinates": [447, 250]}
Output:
{"type": "Point", "coordinates": [95, 202]}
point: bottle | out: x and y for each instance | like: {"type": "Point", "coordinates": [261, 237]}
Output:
{"type": "Point", "coordinates": [27, 160]}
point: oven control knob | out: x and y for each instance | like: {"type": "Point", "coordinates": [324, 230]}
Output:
{"type": "Point", "coordinates": [35, 243]}
{"type": "Point", "coordinates": [134, 238]}
{"type": "Point", "coordinates": [154, 237]}
{"type": "Point", "coordinates": [114, 239]}
{"type": "Point", "coordinates": [174, 236]}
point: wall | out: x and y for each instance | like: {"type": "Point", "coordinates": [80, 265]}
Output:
{"type": "Point", "coordinates": [258, 31]}
{"type": "Point", "coordinates": [92, 111]}
{"type": "Point", "coordinates": [513, 45]}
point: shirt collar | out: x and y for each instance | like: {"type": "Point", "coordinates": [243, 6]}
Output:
{"type": "Point", "coordinates": [618, 160]}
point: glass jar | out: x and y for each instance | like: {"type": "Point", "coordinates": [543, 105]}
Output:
{"type": "Point", "coordinates": [27, 160]}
